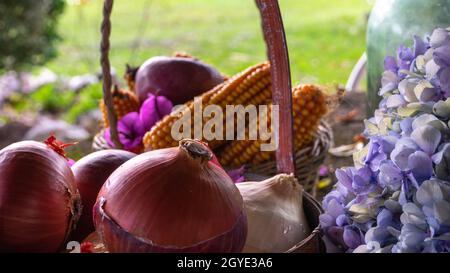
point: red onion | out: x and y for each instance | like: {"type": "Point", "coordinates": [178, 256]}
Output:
{"type": "Point", "coordinates": [39, 201]}
{"type": "Point", "coordinates": [177, 78]}
{"type": "Point", "coordinates": [90, 173]}
{"type": "Point", "coordinates": [171, 200]}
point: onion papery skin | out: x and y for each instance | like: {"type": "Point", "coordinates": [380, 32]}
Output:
{"type": "Point", "coordinates": [169, 201]}
{"type": "Point", "coordinates": [39, 201]}
{"type": "Point", "coordinates": [176, 78]}
{"type": "Point", "coordinates": [90, 174]}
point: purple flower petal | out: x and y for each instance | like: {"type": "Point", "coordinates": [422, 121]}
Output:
{"type": "Point", "coordinates": [443, 154]}
{"type": "Point", "coordinates": [439, 37]}
{"type": "Point", "coordinates": [441, 56]}
{"type": "Point", "coordinates": [384, 218]}
{"type": "Point", "coordinates": [406, 89]}
{"type": "Point", "coordinates": [130, 131]}
{"type": "Point", "coordinates": [389, 82]}
{"type": "Point", "coordinates": [429, 193]}
{"type": "Point", "coordinates": [323, 171]}
{"type": "Point", "coordinates": [421, 166]}
{"type": "Point", "coordinates": [154, 109]}
{"type": "Point", "coordinates": [390, 176]}
{"type": "Point", "coordinates": [326, 220]}
{"type": "Point", "coordinates": [419, 46]}
{"type": "Point", "coordinates": [395, 101]}
{"type": "Point", "coordinates": [342, 220]}
{"type": "Point", "coordinates": [423, 120]}
{"type": "Point", "coordinates": [444, 78]}
{"type": "Point", "coordinates": [390, 64]}
{"type": "Point", "coordinates": [335, 234]}
{"type": "Point", "coordinates": [405, 57]}
{"type": "Point", "coordinates": [335, 208]}
{"type": "Point", "coordinates": [344, 178]}
{"type": "Point", "coordinates": [351, 238]}
{"type": "Point", "coordinates": [400, 156]}
{"type": "Point", "coordinates": [406, 126]}
{"type": "Point", "coordinates": [404, 53]}
{"type": "Point", "coordinates": [427, 137]}
{"type": "Point", "coordinates": [237, 175]}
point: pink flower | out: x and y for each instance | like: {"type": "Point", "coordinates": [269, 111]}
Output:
{"type": "Point", "coordinates": [154, 109]}
{"type": "Point", "coordinates": [131, 131]}
{"type": "Point", "coordinates": [70, 162]}
{"type": "Point", "coordinates": [237, 175]}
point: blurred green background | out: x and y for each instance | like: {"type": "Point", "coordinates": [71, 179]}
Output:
{"type": "Point", "coordinates": [325, 38]}
{"type": "Point", "coordinates": [57, 78]}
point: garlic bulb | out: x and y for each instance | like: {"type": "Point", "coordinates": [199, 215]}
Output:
{"type": "Point", "coordinates": [275, 216]}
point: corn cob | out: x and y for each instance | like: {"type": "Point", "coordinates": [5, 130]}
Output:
{"type": "Point", "coordinates": [309, 106]}
{"type": "Point", "coordinates": [124, 102]}
{"type": "Point", "coordinates": [251, 86]}
{"type": "Point", "coordinates": [130, 76]}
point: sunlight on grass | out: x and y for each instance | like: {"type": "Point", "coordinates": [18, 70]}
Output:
{"type": "Point", "coordinates": [325, 38]}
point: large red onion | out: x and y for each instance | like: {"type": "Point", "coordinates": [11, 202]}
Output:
{"type": "Point", "coordinates": [39, 202]}
{"type": "Point", "coordinates": [90, 174]}
{"type": "Point", "coordinates": [177, 78]}
{"type": "Point", "coordinates": [171, 200]}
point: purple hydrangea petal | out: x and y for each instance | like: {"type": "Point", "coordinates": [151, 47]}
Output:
{"type": "Point", "coordinates": [441, 56]}
{"type": "Point", "coordinates": [400, 156]}
{"type": "Point", "coordinates": [351, 238]}
{"type": "Point", "coordinates": [406, 89]}
{"type": "Point", "coordinates": [442, 155]}
{"type": "Point", "coordinates": [389, 82]}
{"type": "Point", "coordinates": [444, 78]}
{"type": "Point", "coordinates": [390, 64]}
{"type": "Point", "coordinates": [344, 178]}
{"type": "Point", "coordinates": [390, 176]}
{"type": "Point", "coordinates": [404, 53]}
{"type": "Point", "coordinates": [442, 212]}
{"type": "Point", "coordinates": [420, 165]}
{"type": "Point", "coordinates": [333, 195]}
{"type": "Point", "coordinates": [427, 137]}
{"type": "Point", "coordinates": [420, 47]}
{"type": "Point", "coordinates": [335, 234]}
{"type": "Point", "coordinates": [326, 220]}
{"type": "Point", "coordinates": [335, 208]}
{"type": "Point", "coordinates": [439, 37]}
{"type": "Point", "coordinates": [342, 220]}
{"type": "Point", "coordinates": [384, 218]}
{"type": "Point", "coordinates": [423, 120]}
{"type": "Point", "coordinates": [405, 57]}
{"type": "Point", "coordinates": [429, 193]}
{"type": "Point", "coordinates": [395, 101]}
{"type": "Point", "coordinates": [406, 126]}
{"type": "Point", "coordinates": [377, 234]}
{"type": "Point", "coordinates": [431, 69]}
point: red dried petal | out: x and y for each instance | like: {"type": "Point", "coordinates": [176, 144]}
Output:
{"type": "Point", "coordinates": [87, 247]}
{"type": "Point", "coordinates": [57, 145]}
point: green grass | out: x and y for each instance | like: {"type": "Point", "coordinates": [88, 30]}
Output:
{"type": "Point", "coordinates": [325, 38]}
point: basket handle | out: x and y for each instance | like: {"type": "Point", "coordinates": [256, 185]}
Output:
{"type": "Point", "coordinates": [277, 51]}
{"type": "Point", "coordinates": [273, 29]}
{"type": "Point", "coordinates": [106, 72]}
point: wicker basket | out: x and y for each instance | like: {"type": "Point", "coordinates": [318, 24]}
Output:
{"type": "Point", "coordinates": [307, 160]}
{"type": "Point", "coordinates": [303, 163]}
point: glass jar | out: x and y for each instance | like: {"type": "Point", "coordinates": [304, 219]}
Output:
{"type": "Point", "coordinates": [393, 23]}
